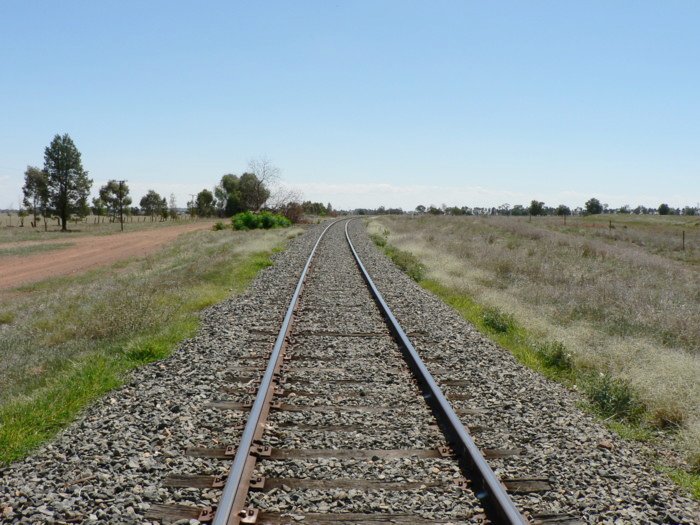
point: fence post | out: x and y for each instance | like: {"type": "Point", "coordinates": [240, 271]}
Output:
{"type": "Point", "coordinates": [683, 240]}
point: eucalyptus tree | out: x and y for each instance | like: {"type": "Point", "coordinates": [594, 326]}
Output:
{"type": "Point", "coordinates": [36, 193]}
{"type": "Point", "coordinates": [68, 185]}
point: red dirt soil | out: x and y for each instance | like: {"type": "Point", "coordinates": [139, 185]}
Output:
{"type": "Point", "coordinates": [86, 253]}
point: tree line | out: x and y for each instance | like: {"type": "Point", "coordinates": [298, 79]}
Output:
{"type": "Point", "coordinates": [592, 206]}
{"type": "Point", "coordinates": [61, 190]}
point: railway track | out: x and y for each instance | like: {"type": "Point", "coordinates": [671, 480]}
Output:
{"type": "Point", "coordinates": [341, 422]}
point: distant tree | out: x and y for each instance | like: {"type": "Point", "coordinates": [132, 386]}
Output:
{"type": "Point", "coordinates": [689, 210]}
{"type": "Point", "coordinates": [593, 206]}
{"type": "Point", "coordinates": [315, 208]}
{"type": "Point", "coordinates": [67, 181]}
{"type": "Point", "coordinates": [434, 210]}
{"type": "Point", "coordinates": [664, 209]}
{"type": "Point", "coordinates": [99, 208]}
{"type": "Point", "coordinates": [21, 213]}
{"type": "Point", "coordinates": [204, 203]}
{"type": "Point", "coordinates": [294, 211]}
{"type": "Point", "coordinates": [519, 210]}
{"type": "Point", "coordinates": [562, 209]}
{"type": "Point", "coordinates": [153, 204]}
{"type": "Point", "coordinates": [504, 209]}
{"type": "Point", "coordinates": [624, 209]}
{"type": "Point", "coordinates": [115, 195]}
{"type": "Point", "coordinates": [420, 209]}
{"type": "Point", "coordinates": [228, 195]}
{"type": "Point", "coordinates": [536, 208]}
{"type": "Point", "coordinates": [172, 207]}
{"type": "Point", "coordinates": [254, 193]}
{"type": "Point", "coordinates": [36, 193]}
{"type": "Point", "coordinates": [454, 210]}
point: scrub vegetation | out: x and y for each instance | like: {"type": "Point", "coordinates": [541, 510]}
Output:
{"type": "Point", "coordinates": [66, 341]}
{"type": "Point", "coordinates": [608, 305]}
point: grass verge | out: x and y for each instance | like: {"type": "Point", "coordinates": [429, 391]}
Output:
{"type": "Point", "coordinates": [612, 399]}
{"type": "Point", "coordinates": [88, 351]}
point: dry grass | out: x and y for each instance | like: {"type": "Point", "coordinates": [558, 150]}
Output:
{"type": "Point", "coordinates": [624, 303]}
{"type": "Point", "coordinates": [92, 225]}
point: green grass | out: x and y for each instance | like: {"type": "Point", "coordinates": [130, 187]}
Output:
{"type": "Point", "coordinates": [85, 333]}
{"type": "Point", "coordinates": [6, 317]}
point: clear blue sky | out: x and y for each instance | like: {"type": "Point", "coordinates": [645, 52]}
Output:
{"type": "Point", "coordinates": [362, 103]}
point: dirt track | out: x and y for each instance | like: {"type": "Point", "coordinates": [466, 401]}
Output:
{"type": "Point", "coordinates": [87, 253]}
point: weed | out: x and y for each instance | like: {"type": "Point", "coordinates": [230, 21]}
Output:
{"type": "Point", "coordinates": [497, 321]}
{"type": "Point", "coordinates": [218, 226]}
{"type": "Point", "coordinates": [379, 239]}
{"type": "Point", "coordinates": [6, 317]}
{"type": "Point", "coordinates": [407, 262]}
{"type": "Point", "coordinates": [554, 355]}
{"type": "Point", "coordinates": [613, 398]}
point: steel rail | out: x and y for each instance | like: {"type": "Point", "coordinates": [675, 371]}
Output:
{"type": "Point", "coordinates": [236, 481]}
{"type": "Point", "coordinates": [486, 486]}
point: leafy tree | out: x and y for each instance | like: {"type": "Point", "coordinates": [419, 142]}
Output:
{"type": "Point", "coordinates": [115, 195]}
{"type": "Point", "coordinates": [420, 209]}
{"type": "Point", "coordinates": [228, 195]}
{"type": "Point", "coordinates": [153, 204]}
{"type": "Point", "coordinates": [593, 206]}
{"type": "Point", "coordinates": [254, 192]}
{"type": "Point", "coordinates": [204, 203]}
{"type": "Point", "coordinates": [562, 209]}
{"type": "Point", "coordinates": [689, 210]}
{"type": "Point", "coordinates": [536, 208]}
{"type": "Point", "coordinates": [99, 208]}
{"type": "Point", "coordinates": [664, 209]}
{"type": "Point", "coordinates": [36, 193]}
{"type": "Point", "coordinates": [67, 182]}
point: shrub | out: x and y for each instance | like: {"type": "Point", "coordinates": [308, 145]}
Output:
{"type": "Point", "coordinates": [218, 226]}
{"type": "Point", "coordinates": [251, 221]}
{"type": "Point", "coordinates": [497, 321]}
{"type": "Point", "coordinates": [613, 398]}
{"type": "Point", "coordinates": [554, 355]}
{"type": "Point", "coordinates": [378, 239]}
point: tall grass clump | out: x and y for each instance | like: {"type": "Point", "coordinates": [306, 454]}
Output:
{"type": "Point", "coordinates": [264, 220]}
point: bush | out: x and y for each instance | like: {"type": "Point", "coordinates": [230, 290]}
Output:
{"type": "Point", "coordinates": [218, 226]}
{"type": "Point", "coordinates": [554, 355]}
{"type": "Point", "coordinates": [378, 239]}
{"type": "Point", "coordinates": [497, 321]}
{"type": "Point", "coordinates": [251, 221]}
{"type": "Point", "coordinates": [613, 398]}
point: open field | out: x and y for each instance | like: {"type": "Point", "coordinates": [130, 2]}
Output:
{"type": "Point", "coordinates": [622, 302]}
{"type": "Point", "coordinates": [23, 262]}
{"type": "Point", "coordinates": [66, 340]}
{"type": "Point", "coordinates": [10, 231]}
